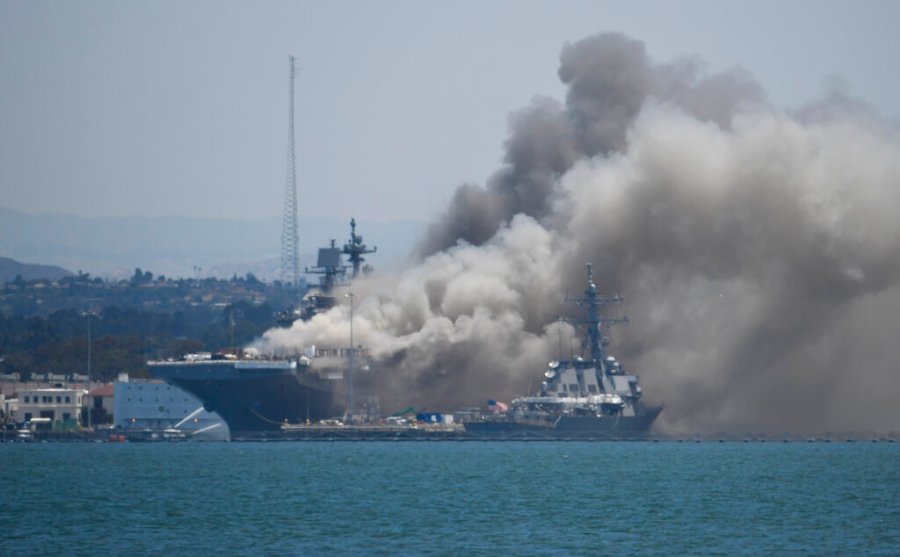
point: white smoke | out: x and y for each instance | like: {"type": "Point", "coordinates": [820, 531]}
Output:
{"type": "Point", "coordinates": [457, 327]}
{"type": "Point", "coordinates": [758, 251]}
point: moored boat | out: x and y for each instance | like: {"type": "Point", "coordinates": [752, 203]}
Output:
{"type": "Point", "coordinates": [581, 398]}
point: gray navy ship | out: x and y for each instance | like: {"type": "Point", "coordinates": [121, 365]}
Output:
{"type": "Point", "coordinates": [589, 399]}
{"type": "Point", "coordinates": [254, 394]}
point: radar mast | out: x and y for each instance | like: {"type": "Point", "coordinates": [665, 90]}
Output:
{"type": "Point", "coordinates": [593, 301]}
{"type": "Point", "coordinates": [354, 249]}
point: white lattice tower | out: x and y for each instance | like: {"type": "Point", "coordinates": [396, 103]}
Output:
{"type": "Point", "coordinates": [290, 258]}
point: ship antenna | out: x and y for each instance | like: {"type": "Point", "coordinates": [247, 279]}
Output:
{"type": "Point", "coordinates": [559, 342]}
{"type": "Point", "coordinates": [593, 302]}
{"type": "Point", "coordinates": [290, 258]}
{"type": "Point", "coordinates": [354, 249]}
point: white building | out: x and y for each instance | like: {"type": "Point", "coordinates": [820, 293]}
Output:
{"type": "Point", "coordinates": [8, 407]}
{"type": "Point", "coordinates": [58, 405]}
{"type": "Point", "coordinates": [143, 404]}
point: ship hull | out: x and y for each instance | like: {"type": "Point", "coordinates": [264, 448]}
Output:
{"type": "Point", "coordinates": [253, 399]}
{"type": "Point", "coordinates": [587, 428]}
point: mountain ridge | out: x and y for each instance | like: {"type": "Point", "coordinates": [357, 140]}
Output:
{"type": "Point", "coordinates": [10, 269]}
{"type": "Point", "coordinates": [177, 246]}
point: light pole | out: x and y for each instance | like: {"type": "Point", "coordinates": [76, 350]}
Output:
{"type": "Point", "coordinates": [88, 315]}
{"type": "Point", "coordinates": [350, 361]}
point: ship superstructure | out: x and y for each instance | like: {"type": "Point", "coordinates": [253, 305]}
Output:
{"type": "Point", "coordinates": [589, 398]}
{"type": "Point", "coordinates": [354, 249]}
{"type": "Point", "coordinates": [332, 272]}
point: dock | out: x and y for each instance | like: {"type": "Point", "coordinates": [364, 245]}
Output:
{"type": "Point", "coordinates": [364, 432]}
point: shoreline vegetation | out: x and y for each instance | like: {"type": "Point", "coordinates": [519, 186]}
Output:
{"type": "Point", "coordinates": [45, 324]}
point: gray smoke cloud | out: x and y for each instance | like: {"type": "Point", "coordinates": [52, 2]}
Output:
{"type": "Point", "coordinates": [758, 251]}
{"type": "Point", "coordinates": [610, 78]}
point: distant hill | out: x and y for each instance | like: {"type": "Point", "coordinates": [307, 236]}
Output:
{"type": "Point", "coordinates": [10, 268]}
{"type": "Point", "coordinates": [185, 247]}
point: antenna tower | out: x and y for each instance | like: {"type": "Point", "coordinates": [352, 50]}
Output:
{"type": "Point", "coordinates": [290, 257]}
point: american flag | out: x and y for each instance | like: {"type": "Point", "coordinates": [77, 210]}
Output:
{"type": "Point", "coordinates": [496, 406]}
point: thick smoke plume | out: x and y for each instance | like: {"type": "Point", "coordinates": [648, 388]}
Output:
{"type": "Point", "coordinates": [758, 252]}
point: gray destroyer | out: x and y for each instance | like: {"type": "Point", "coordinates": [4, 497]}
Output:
{"type": "Point", "coordinates": [589, 399]}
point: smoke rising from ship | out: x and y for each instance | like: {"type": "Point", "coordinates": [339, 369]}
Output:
{"type": "Point", "coordinates": [758, 252]}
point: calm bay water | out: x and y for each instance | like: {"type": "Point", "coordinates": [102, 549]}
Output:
{"type": "Point", "coordinates": [423, 498]}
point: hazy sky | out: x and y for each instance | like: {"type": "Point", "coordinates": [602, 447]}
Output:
{"type": "Point", "coordinates": [180, 108]}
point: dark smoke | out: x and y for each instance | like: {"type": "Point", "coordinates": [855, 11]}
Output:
{"type": "Point", "coordinates": [758, 251]}
{"type": "Point", "coordinates": [610, 78]}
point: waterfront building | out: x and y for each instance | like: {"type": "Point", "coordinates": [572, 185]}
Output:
{"type": "Point", "coordinates": [100, 401]}
{"type": "Point", "coordinates": [61, 406]}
